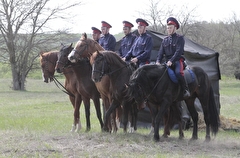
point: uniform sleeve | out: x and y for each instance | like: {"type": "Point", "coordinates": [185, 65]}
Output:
{"type": "Point", "coordinates": [179, 49]}
{"type": "Point", "coordinates": [160, 53]}
{"type": "Point", "coordinates": [120, 49]}
{"type": "Point", "coordinates": [129, 54]}
{"type": "Point", "coordinates": [147, 50]}
{"type": "Point", "coordinates": [112, 43]}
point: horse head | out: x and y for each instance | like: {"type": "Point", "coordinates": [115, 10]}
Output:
{"type": "Point", "coordinates": [84, 48]}
{"type": "Point", "coordinates": [63, 58]}
{"type": "Point", "coordinates": [99, 66]}
{"type": "Point", "coordinates": [48, 62]}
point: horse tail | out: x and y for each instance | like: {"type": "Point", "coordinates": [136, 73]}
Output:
{"type": "Point", "coordinates": [213, 112]}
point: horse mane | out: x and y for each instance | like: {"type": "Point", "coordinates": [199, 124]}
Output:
{"type": "Point", "coordinates": [113, 58]}
{"type": "Point", "coordinates": [90, 41]}
{"type": "Point", "coordinates": [46, 54]}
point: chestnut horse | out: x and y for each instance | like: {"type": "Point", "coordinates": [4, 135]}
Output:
{"type": "Point", "coordinates": [84, 48]}
{"type": "Point", "coordinates": [48, 62]}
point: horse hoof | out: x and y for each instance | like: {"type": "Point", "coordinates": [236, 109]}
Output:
{"type": "Point", "coordinates": [193, 138]}
{"type": "Point", "coordinates": [165, 135]}
{"type": "Point", "coordinates": [156, 138]}
{"type": "Point", "coordinates": [207, 139]}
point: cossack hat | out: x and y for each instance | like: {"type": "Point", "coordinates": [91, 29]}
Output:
{"type": "Point", "coordinates": [96, 30]}
{"type": "Point", "coordinates": [173, 21]}
{"type": "Point", "coordinates": [141, 22]}
{"type": "Point", "coordinates": [105, 24]}
{"type": "Point", "coordinates": [127, 24]}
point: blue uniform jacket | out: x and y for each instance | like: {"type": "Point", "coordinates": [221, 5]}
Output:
{"type": "Point", "coordinates": [174, 50]}
{"type": "Point", "coordinates": [108, 42]}
{"type": "Point", "coordinates": [126, 44]}
{"type": "Point", "coordinates": [141, 49]}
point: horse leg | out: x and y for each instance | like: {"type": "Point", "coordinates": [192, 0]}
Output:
{"type": "Point", "coordinates": [107, 123]}
{"type": "Point", "coordinates": [161, 111]}
{"type": "Point", "coordinates": [204, 103]}
{"type": "Point", "coordinates": [167, 120]}
{"type": "Point", "coordinates": [133, 116]}
{"type": "Point", "coordinates": [97, 105]}
{"type": "Point", "coordinates": [86, 102]}
{"type": "Point", "coordinates": [77, 103]}
{"type": "Point", "coordinates": [118, 116]}
{"type": "Point", "coordinates": [153, 112]}
{"type": "Point", "coordinates": [177, 114]}
{"type": "Point", "coordinates": [111, 109]}
{"type": "Point", "coordinates": [126, 110]}
{"type": "Point", "coordinates": [193, 112]}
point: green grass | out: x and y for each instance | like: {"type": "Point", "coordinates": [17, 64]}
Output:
{"type": "Point", "coordinates": [230, 97]}
{"type": "Point", "coordinates": [36, 123]}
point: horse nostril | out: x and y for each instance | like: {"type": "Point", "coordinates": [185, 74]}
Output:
{"type": "Point", "coordinates": [58, 70]}
{"type": "Point", "coordinates": [71, 58]}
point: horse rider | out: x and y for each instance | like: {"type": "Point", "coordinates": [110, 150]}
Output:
{"type": "Point", "coordinates": [142, 47]}
{"type": "Point", "coordinates": [127, 40]}
{"type": "Point", "coordinates": [173, 48]}
{"type": "Point", "coordinates": [107, 41]}
{"type": "Point", "coordinates": [96, 34]}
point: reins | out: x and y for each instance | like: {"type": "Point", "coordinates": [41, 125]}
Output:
{"type": "Point", "coordinates": [117, 69]}
{"type": "Point", "coordinates": [57, 83]}
{"type": "Point", "coordinates": [156, 85]}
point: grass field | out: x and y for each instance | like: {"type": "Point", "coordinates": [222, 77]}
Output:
{"type": "Point", "coordinates": [37, 123]}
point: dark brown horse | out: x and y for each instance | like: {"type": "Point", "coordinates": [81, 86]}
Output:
{"type": "Point", "coordinates": [108, 63]}
{"type": "Point", "coordinates": [84, 48]}
{"type": "Point", "coordinates": [85, 86]}
{"type": "Point", "coordinates": [152, 84]}
{"type": "Point", "coordinates": [48, 64]}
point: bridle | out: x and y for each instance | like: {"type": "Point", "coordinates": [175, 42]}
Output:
{"type": "Point", "coordinates": [102, 71]}
{"type": "Point", "coordinates": [86, 48]}
{"type": "Point", "coordinates": [46, 61]}
{"type": "Point", "coordinates": [109, 72]}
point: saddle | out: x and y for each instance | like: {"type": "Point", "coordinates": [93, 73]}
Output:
{"type": "Point", "coordinates": [188, 75]}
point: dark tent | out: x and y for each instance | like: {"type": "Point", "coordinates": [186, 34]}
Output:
{"type": "Point", "coordinates": [195, 55]}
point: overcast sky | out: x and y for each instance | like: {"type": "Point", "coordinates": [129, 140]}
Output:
{"type": "Point", "coordinates": [92, 12]}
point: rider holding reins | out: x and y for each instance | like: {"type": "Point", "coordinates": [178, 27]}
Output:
{"type": "Point", "coordinates": [173, 48]}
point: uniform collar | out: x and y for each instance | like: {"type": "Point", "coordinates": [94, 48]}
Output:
{"type": "Point", "coordinates": [129, 34]}
{"type": "Point", "coordinates": [173, 35]}
{"type": "Point", "coordinates": [106, 35]}
{"type": "Point", "coordinates": [143, 34]}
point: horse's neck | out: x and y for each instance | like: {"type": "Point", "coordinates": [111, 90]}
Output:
{"type": "Point", "coordinates": [68, 73]}
{"type": "Point", "coordinates": [82, 70]}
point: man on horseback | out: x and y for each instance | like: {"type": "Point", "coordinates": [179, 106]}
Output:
{"type": "Point", "coordinates": [107, 41]}
{"type": "Point", "coordinates": [128, 40]}
{"type": "Point", "coordinates": [173, 48]}
{"type": "Point", "coordinates": [96, 34]}
{"type": "Point", "coordinates": [142, 47]}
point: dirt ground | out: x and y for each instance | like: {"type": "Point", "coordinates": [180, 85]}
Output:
{"type": "Point", "coordinates": [94, 144]}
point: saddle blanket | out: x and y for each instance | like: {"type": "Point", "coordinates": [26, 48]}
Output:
{"type": "Point", "coordinates": [188, 75]}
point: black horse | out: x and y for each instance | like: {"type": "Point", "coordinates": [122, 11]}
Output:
{"type": "Point", "coordinates": [152, 84]}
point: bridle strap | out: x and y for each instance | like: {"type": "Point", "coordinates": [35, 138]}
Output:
{"type": "Point", "coordinates": [156, 85]}
{"type": "Point", "coordinates": [57, 83]}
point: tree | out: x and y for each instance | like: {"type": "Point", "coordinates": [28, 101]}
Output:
{"type": "Point", "coordinates": [22, 25]}
{"type": "Point", "coordinates": [158, 12]}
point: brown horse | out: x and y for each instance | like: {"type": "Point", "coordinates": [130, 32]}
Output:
{"type": "Point", "coordinates": [85, 86]}
{"type": "Point", "coordinates": [48, 62]}
{"type": "Point", "coordinates": [84, 48]}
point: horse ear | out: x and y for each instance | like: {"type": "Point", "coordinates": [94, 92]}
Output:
{"type": "Point", "coordinates": [84, 36]}
{"type": "Point", "coordinates": [71, 45]}
{"type": "Point", "coordinates": [41, 54]}
{"type": "Point", "coordinates": [62, 44]}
